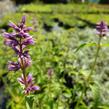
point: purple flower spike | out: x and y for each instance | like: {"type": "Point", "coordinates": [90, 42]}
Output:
{"type": "Point", "coordinates": [28, 84]}
{"type": "Point", "coordinates": [21, 29]}
{"type": "Point", "coordinates": [102, 28]}
{"type": "Point", "coordinates": [12, 66]}
{"type": "Point", "coordinates": [18, 41]}
{"type": "Point", "coordinates": [22, 23]}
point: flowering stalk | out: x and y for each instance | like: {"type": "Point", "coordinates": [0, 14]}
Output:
{"type": "Point", "coordinates": [96, 57]}
{"type": "Point", "coordinates": [18, 40]}
{"type": "Point", "coordinates": [102, 30]}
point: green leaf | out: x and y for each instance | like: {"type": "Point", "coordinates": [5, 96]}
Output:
{"type": "Point", "coordinates": [96, 95]}
{"type": "Point", "coordinates": [29, 102]}
{"type": "Point", "coordinates": [85, 45]}
{"type": "Point", "coordinates": [27, 105]}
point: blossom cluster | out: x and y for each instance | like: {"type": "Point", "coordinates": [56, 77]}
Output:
{"type": "Point", "coordinates": [18, 40]}
{"type": "Point", "coordinates": [29, 84]}
{"type": "Point", "coordinates": [102, 29]}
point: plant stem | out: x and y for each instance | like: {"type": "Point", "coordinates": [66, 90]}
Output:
{"type": "Point", "coordinates": [93, 67]}
{"type": "Point", "coordinates": [22, 63]}
{"type": "Point", "coordinates": [96, 57]}
{"type": "Point", "coordinates": [24, 75]}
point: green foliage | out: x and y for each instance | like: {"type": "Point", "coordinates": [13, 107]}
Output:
{"type": "Point", "coordinates": [96, 96]}
{"type": "Point", "coordinates": [68, 51]}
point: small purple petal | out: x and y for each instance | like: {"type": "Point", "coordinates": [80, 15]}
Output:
{"type": "Point", "coordinates": [22, 34]}
{"type": "Point", "coordinates": [35, 88]}
{"type": "Point", "coordinates": [10, 39]}
{"type": "Point", "coordinates": [10, 42]}
{"type": "Point", "coordinates": [12, 25]}
{"type": "Point", "coordinates": [21, 25]}
{"type": "Point", "coordinates": [29, 78]}
{"type": "Point", "coordinates": [26, 61]}
{"type": "Point", "coordinates": [27, 29]}
{"type": "Point", "coordinates": [23, 19]}
{"type": "Point", "coordinates": [16, 49]}
{"type": "Point", "coordinates": [25, 54]}
{"type": "Point", "coordinates": [26, 35]}
{"type": "Point", "coordinates": [8, 35]}
{"type": "Point", "coordinates": [28, 41]}
{"type": "Point", "coordinates": [21, 80]}
{"type": "Point", "coordinates": [29, 85]}
{"type": "Point", "coordinates": [12, 66]}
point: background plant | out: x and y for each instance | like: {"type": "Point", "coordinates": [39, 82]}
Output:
{"type": "Point", "coordinates": [66, 45]}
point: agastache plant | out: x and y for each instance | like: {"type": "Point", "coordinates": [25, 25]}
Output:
{"type": "Point", "coordinates": [101, 31]}
{"type": "Point", "coordinates": [18, 40]}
